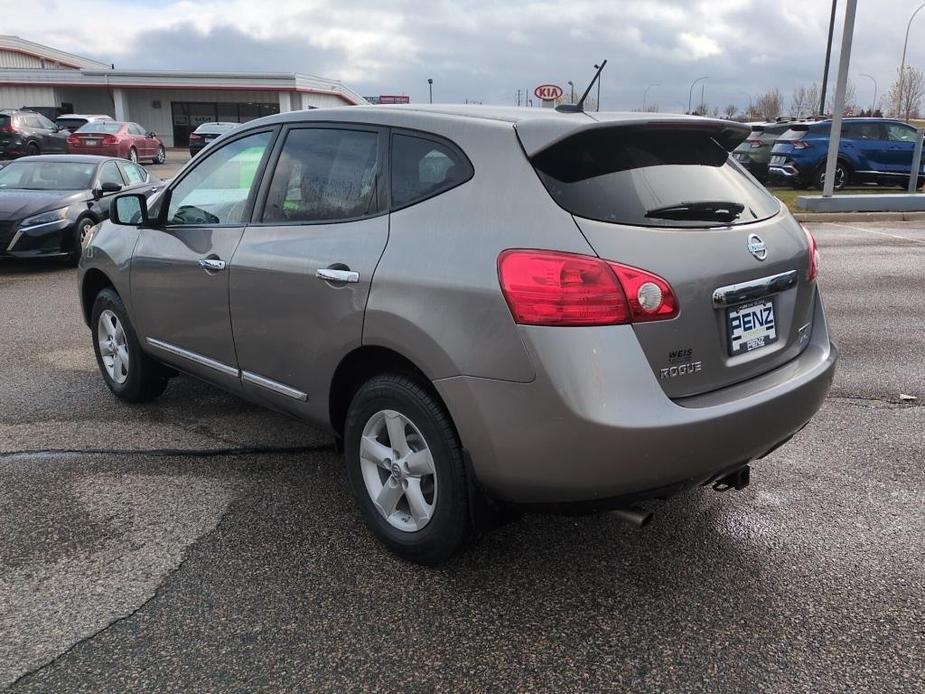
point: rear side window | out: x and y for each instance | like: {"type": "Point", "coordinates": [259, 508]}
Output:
{"type": "Point", "coordinates": [652, 178]}
{"type": "Point", "coordinates": [133, 173]}
{"type": "Point", "coordinates": [325, 175]}
{"type": "Point", "coordinates": [423, 168]}
{"type": "Point", "coordinates": [861, 131]}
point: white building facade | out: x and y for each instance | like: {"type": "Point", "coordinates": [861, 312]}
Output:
{"type": "Point", "coordinates": [173, 103]}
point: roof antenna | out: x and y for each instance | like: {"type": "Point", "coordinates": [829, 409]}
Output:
{"type": "Point", "coordinates": [580, 106]}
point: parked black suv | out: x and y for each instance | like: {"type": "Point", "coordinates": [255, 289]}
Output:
{"type": "Point", "coordinates": [27, 133]}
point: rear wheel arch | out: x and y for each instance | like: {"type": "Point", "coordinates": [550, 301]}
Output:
{"type": "Point", "coordinates": [359, 366]}
{"type": "Point", "coordinates": [94, 282]}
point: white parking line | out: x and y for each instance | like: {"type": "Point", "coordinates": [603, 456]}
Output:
{"type": "Point", "coordinates": [879, 233]}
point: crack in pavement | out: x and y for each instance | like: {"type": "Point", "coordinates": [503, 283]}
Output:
{"type": "Point", "coordinates": [157, 591]}
{"type": "Point", "coordinates": [163, 452]}
{"type": "Point", "coordinates": [890, 404]}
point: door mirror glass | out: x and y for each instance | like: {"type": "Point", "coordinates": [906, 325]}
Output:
{"type": "Point", "coordinates": [129, 209]}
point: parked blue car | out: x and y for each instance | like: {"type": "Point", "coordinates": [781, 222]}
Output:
{"type": "Point", "coordinates": [872, 150]}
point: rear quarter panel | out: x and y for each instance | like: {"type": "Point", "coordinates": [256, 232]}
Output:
{"type": "Point", "coordinates": [435, 297]}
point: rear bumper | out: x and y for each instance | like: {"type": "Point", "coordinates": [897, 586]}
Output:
{"type": "Point", "coordinates": [100, 150]}
{"type": "Point", "coordinates": [592, 427]}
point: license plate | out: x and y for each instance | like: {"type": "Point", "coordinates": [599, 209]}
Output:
{"type": "Point", "coordinates": [751, 326]}
{"type": "Point", "coordinates": [777, 160]}
{"type": "Point", "coordinates": [91, 142]}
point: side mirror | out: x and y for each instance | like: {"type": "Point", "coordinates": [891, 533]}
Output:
{"type": "Point", "coordinates": [130, 209]}
{"type": "Point", "coordinates": [110, 187]}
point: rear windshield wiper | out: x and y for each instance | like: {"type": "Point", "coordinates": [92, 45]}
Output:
{"type": "Point", "coordinates": [699, 211]}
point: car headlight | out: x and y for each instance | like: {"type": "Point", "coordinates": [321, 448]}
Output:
{"type": "Point", "coordinates": [44, 218]}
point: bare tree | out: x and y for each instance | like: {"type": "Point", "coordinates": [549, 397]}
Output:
{"type": "Point", "coordinates": [850, 102]}
{"type": "Point", "coordinates": [730, 111]}
{"type": "Point", "coordinates": [770, 104]}
{"type": "Point", "coordinates": [805, 101]}
{"type": "Point", "coordinates": [905, 96]}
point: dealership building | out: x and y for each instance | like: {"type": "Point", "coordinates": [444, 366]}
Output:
{"type": "Point", "coordinates": [173, 103]}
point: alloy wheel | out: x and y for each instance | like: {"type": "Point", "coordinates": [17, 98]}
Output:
{"type": "Point", "coordinates": [133, 156]}
{"type": "Point", "coordinates": [110, 336]}
{"type": "Point", "coordinates": [398, 470]}
{"type": "Point", "coordinates": [85, 226]}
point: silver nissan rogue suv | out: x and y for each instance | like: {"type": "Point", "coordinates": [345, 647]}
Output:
{"type": "Point", "coordinates": [491, 308]}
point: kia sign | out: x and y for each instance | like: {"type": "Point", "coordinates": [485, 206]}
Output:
{"type": "Point", "coordinates": [548, 92]}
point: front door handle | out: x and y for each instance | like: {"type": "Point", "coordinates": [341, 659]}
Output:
{"type": "Point", "coordinates": [212, 264]}
{"type": "Point", "coordinates": [331, 275]}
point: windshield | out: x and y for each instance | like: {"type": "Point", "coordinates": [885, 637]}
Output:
{"type": "Point", "coordinates": [656, 177]}
{"type": "Point", "coordinates": [101, 126]}
{"type": "Point", "coordinates": [46, 175]}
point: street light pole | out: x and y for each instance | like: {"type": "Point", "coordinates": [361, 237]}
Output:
{"type": "Point", "coordinates": [572, 85]}
{"type": "Point", "coordinates": [654, 84]}
{"type": "Point", "coordinates": [600, 78]}
{"type": "Point", "coordinates": [430, 89]}
{"type": "Point", "coordinates": [828, 56]}
{"type": "Point", "coordinates": [902, 65]}
{"type": "Point", "coordinates": [690, 93]}
{"type": "Point", "coordinates": [840, 88]}
{"type": "Point", "coordinates": [873, 106]}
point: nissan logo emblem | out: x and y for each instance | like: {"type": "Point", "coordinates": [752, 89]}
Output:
{"type": "Point", "coordinates": [757, 247]}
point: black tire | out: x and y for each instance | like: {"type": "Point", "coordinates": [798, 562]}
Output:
{"type": "Point", "coordinates": [133, 155]}
{"type": "Point", "coordinates": [161, 156]}
{"type": "Point", "coordinates": [842, 176]}
{"type": "Point", "coordinates": [146, 379]}
{"type": "Point", "coordinates": [33, 150]}
{"type": "Point", "coordinates": [449, 525]}
{"type": "Point", "coordinates": [76, 248]}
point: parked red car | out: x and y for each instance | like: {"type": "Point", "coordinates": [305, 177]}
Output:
{"type": "Point", "coordinates": [117, 139]}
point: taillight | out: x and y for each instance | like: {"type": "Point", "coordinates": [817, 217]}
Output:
{"type": "Point", "coordinates": [110, 140]}
{"type": "Point", "coordinates": [194, 136]}
{"type": "Point", "coordinates": [813, 266]}
{"type": "Point", "coordinates": [73, 140]}
{"type": "Point", "coordinates": [565, 289]}
{"type": "Point", "coordinates": [650, 297]}
{"type": "Point", "coordinates": [800, 144]}
{"type": "Point", "coordinates": [755, 144]}
{"type": "Point", "coordinates": [7, 128]}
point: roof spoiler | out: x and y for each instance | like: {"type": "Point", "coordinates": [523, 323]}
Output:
{"type": "Point", "coordinates": [538, 134]}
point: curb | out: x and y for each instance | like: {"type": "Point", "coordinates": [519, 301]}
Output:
{"type": "Point", "coordinates": [859, 216]}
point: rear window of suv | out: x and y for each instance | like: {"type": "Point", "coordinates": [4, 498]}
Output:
{"type": "Point", "coordinates": [651, 178]}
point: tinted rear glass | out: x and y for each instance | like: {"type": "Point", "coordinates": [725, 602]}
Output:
{"type": "Point", "coordinates": [71, 123]}
{"type": "Point", "coordinates": [101, 126]}
{"type": "Point", "coordinates": [625, 175]}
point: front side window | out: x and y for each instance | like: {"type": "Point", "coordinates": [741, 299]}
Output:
{"type": "Point", "coordinates": [217, 190]}
{"type": "Point", "coordinates": [109, 173]}
{"type": "Point", "coordinates": [323, 175]}
{"type": "Point", "coordinates": [423, 168]}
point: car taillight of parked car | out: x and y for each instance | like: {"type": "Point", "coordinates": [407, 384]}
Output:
{"type": "Point", "coordinates": [800, 144]}
{"type": "Point", "coordinates": [7, 128]}
{"type": "Point", "coordinates": [73, 140]}
{"type": "Point", "coordinates": [813, 267]}
{"type": "Point", "coordinates": [194, 136]}
{"type": "Point", "coordinates": [565, 289]}
{"type": "Point", "coordinates": [110, 140]}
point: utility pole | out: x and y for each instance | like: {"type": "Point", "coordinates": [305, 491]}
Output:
{"type": "Point", "coordinates": [828, 56]}
{"type": "Point", "coordinates": [902, 65]}
{"type": "Point", "coordinates": [430, 89]}
{"type": "Point", "coordinates": [518, 97]}
{"type": "Point", "coordinates": [702, 85]}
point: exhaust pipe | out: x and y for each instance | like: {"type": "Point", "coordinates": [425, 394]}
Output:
{"type": "Point", "coordinates": [633, 515]}
{"type": "Point", "coordinates": [738, 480]}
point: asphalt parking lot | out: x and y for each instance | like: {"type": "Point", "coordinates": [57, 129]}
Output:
{"type": "Point", "coordinates": [199, 543]}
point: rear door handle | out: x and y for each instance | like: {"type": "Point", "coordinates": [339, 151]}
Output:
{"type": "Point", "coordinates": [329, 275]}
{"type": "Point", "coordinates": [212, 264]}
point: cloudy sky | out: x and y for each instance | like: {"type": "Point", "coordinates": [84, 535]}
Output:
{"type": "Point", "coordinates": [485, 50]}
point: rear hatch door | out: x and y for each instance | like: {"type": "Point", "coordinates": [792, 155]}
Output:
{"type": "Point", "coordinates": [666, 197]}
